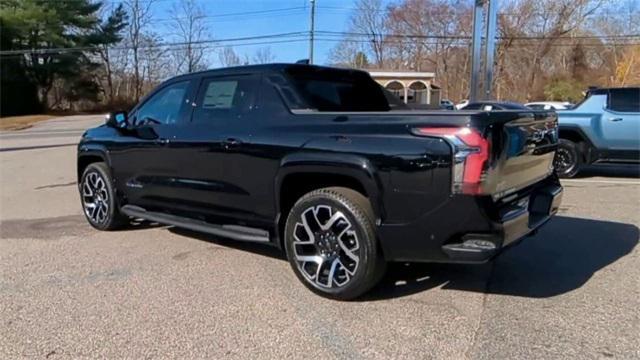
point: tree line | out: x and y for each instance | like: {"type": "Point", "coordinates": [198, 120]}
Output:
{"type": "Point", "coordinates": [546, 49]}
{"type": "Point", "coordinates": [76, 55]}
{"type": "Point", "coordinates": [96, 55]}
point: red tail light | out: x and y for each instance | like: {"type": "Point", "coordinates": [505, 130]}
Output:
{"type": "Point", "coordinates": [471, 152]}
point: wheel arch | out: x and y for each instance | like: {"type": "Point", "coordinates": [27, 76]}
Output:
{"type": "Point", "coordinates": [302, 173]}
{"type": "Point", "coordinates": [90, 155]}
{"type": "Point", "coordinates": [575, 134]}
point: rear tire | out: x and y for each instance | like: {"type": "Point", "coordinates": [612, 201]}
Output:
{"type": "Point", "coordinates": [331, 243]}
{"type": "Point", "coordinates": [568, 159]}
{"type": "Point", "coordinates": [98, 198]}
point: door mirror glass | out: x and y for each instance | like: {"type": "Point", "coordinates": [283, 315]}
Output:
{"type": "Point", "coordinates": [117, 119]}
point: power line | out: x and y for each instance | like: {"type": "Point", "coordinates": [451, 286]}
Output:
{"type": "Point", "coordinates": [429, 11]}
{"type": "Point", "coordinates": [461, 43]}
{"type": "Point", "coordinates": [224, 17]}
{"type": "Point", "coordinates": [182, 47]}
{"type": "Point", "coordinates": [456, 37]}
{"type": "Point", "coordinates": [628, 39]}
{"type": "Point", "coordinates": [296, 34]}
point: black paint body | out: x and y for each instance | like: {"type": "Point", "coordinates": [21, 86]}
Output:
{"type": "Point", "coordinates": [238, 169]}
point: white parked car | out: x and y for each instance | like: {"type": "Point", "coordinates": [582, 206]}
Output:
{"type": "Point", "coordinates": [462, 104]}
{"type": "Point", "coordinates": [549, 105]}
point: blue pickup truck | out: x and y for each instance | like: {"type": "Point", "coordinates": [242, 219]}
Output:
{"type": "Point", "coordinates": [603, 128]}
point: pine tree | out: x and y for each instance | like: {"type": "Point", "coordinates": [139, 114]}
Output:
{"type": "Point", "coordinates": [55, 41]}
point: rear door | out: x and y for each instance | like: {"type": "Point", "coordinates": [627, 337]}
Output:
{"type": "Point", "coordinates": [217, 167]}
{"type": "Point", "coordinates": [621, 123]}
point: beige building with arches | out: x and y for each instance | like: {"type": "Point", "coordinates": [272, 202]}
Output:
{"type": "Point", "coordinates": [415, 88]}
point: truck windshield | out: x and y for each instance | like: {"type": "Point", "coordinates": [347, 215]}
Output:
{"type": "Point", "coordinates": [337, 90]}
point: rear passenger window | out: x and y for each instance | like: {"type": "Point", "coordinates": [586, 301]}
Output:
{"type": "Point", "coordinates": [220, 94]}
{"type": "Point", "coordinates": [624, 100]}
{"type": "Point", "coordinates": [224, 98]}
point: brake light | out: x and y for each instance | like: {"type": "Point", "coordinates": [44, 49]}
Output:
{"type": "Point", "coordinates": [471, 152]}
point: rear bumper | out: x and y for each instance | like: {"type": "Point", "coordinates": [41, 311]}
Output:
{"type": "Point", "coordinates": [521, 219]}
{"type": "Point", "coordinates": [473, 230]}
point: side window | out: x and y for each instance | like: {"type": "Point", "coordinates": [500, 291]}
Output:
{"type": "Point", "coordinates": [624, 100]}
{"type": "Point", "coordinates": [224, 98]}
{"type": "Point", "coordinates": [219, 95]}
{"type": "Point", "coordinates": [164, 106]}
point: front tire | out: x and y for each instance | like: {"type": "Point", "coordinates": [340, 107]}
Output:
{"type": "Point", "coordinates": [98, 198]}
{"type": "Point", "coordinates": [331, 243]}
{"type": "Point", "coordinates": [568, 159]}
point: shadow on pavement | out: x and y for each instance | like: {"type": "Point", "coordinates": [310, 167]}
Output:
{"type": "Point", "coordinates": [621, 171]}
{"type": "Point", "coordinates": [560, 258]}
{"type": "Point", "coordinates": [563, 257]}
{"type": "Point", "coordinates": [252, 247]}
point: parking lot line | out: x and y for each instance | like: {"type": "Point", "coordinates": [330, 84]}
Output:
{"type": "Point", "coordinates": [600, 181]}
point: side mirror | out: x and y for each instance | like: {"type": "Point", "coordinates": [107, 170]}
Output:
{"type": "Point", "coordinates": [117, 119]}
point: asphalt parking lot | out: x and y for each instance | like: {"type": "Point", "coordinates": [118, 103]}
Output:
{"type": "Point", "coordinates": [67, 291]}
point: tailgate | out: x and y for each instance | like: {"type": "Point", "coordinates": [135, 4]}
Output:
{"type": "Point", "coordinates": [522, 147]}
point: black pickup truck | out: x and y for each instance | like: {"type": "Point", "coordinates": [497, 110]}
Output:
{"type": "Point", "coordinates": [321, 163]}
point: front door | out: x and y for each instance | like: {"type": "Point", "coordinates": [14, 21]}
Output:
{"type": "Point", "coordinates": [144, 163]}
{"type": "Point", "coordinates": [621, 123]}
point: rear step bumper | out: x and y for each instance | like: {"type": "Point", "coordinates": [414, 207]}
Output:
{"type": "Point", "coordinates": [229, 231]}
{"type": "Point", "coordinates": [517, 221]}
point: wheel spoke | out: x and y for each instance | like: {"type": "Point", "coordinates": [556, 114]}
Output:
{"type": "Point", "coordinates": [301, 229]}
{"type": "Point", "coordinates": [94, 211]}
{"type": "Point", "coordinates": [332, 271]}
{"type": "Point", "coordinates": [310, 258]}
{"type": "Point", "coordinates": [310, 221]}
{"type": "Point", "coordinates": [335, 223]}
{"type": "Point", "coordinates": [92, 180]}
{"type": "Point", "coordinates": [102, 214]}
{"type": "Point", "coordinates": [86, 189]}
{"type": "Point", "coordinates": [349, 252]}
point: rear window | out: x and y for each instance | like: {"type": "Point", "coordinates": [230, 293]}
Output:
{"type": "Point", "coordinates": [624, 100]}
{"type": "Point", "coordinates": [336, 90]}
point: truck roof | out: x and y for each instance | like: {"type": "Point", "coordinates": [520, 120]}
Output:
{"type": "Point", "coordinates": [603, 91]}
{"type": "Point", "coordinates": [259, 69]}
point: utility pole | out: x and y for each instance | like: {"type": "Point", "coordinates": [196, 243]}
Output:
{"type": "Point", "coordinates": [476, 48]}
{"type": "Point", "coordinates": [482, 63]}
{"type": "Point", "coordinates": [312, 21]}
{"type": "Point", "coordinates": [490, 46]}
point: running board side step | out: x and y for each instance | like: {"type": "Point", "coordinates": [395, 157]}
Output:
{"type": "Point", "coordinates": [234, 232]}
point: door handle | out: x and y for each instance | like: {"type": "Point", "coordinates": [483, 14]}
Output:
{"type": "Point", "coordinates": [615, 119]}
{"type": "Point", "coordinates": [231, 143]}
{"type": "Point", "coordinates": [161, 141]}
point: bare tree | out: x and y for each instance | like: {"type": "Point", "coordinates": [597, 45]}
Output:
{"type": "Point", "coordinates": [345, 53]}
{"type": "Point", "coordinates": [140, 17]}
{"type": "Point", "coordinates": [114, 21]}
{"type": "Point", "coordinates": [189, 28]}
{"type": "Point", "coordinates": [228, 57]}
{"type": "Point", "coordinates": [155, 62]}
{"type": "Point", "coordinates": [369, 19]}
{"type": "Point", "coordinates": [263, 56]}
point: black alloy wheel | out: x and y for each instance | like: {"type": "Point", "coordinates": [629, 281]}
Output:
{"type": "Point", "coordinates": [99, 203]}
